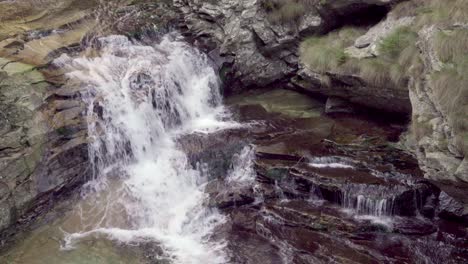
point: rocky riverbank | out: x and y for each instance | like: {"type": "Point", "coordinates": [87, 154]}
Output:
{"type": "Point", "coordinates": [44, 145]}
{"type": "Point", "coordinates": [365, 164]}
{"type": "Point", "coordinates": [316, 188]}
{"type": "Point", "coordinates": [338, 164]}
{"type": "Point", "coordinates": [380, 54]}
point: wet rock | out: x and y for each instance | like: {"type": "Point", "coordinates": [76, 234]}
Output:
{"type": "Point", "coordinates": [224, 196]}
{"type": "Point", "coordinates": [452, 209]}
{"type": "Point", "coordinates": [354, 89]}
{"type": "Point", "coordinates": [251, 248]}
{"type": "Point", "coordinates": [336, 105]}
{"type": "Point", "coordinates": [413, 226]}
{"type": "Point", "coordinates": [279, 101]}
{"type": "Point", "coordinates": [213, 152]}
{"type": "Point", "coordinates": [38, 163]}
{"type": "Point", "coordinates": [297, 161]}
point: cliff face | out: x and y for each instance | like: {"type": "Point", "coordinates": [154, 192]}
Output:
{"type": "Point", "coordinates": [440, 116]}
{"type": "Point", "coordinates": [387, 55]}
{"type": "Point", "coordinates": [259, 47]}
{"type": "Point", "coordinates": [43, 146]}
{"type": "Point", "coordinates": [43, 150]}
{"type": "Point", "coordinates": [258, 52]}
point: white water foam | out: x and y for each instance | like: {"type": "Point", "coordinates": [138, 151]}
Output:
{"type": "Point", "coordinates": [140, 98]}
{"type": "Point", "coordinates": [330, 162]}
{"type": "Point", "coordinates": [243, 171]}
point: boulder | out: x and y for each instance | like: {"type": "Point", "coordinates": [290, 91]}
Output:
{"type": "Point", "coordinates": [452, 209]}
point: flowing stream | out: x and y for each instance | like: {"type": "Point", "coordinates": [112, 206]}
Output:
{"type": "Point", "coordinates": [174, 180]}
{"type": "Point", "coordinates": [140, 99]}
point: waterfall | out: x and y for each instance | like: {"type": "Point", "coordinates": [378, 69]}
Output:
{"type": "Point", "coordinates": [376, 207]}
{"type": "Point", "coordinates": [366, 204]}
{"type": "Point", "coordinates": [243, 171]}
{"type": "Point", "coordinates": [140, 98]}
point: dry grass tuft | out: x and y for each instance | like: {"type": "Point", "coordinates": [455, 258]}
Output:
{"type": "Point", "coordinates": [390, 69]}
{"type": "Point", "coordinates": [445, 12]}
{"type": "Point", "coordinates": [420, 129]}
{"type": "Point", "coordinates": [324, 53]}
{"type": "Point", "coordinates": [450, 85]}
{"type": "Point", "coordinates": [399, 59]}
{"type": "Point", "coordinates": [452, 45]}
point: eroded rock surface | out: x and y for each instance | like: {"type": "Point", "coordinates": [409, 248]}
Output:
{"type": "Point", "coordinates": [43, 149]}
{"type": "Point", "coordinates": [257, 50]}
{"type": "Point", "coordinates": [438, 144]}
{"type": "Point", "coordinates": [337, 192]}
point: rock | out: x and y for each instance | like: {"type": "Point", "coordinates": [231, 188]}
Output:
{"type": "Point", "coordinates": [452, 209]}
{"type": "Point", "coordinates": [5, 214]}
{"type": "Point", "coordinates": [303, 183]}
{"type": "Point", "coordinates": [225, 196]}
{"type": "Point", "coordinates": [354, 86]}
{"type": "Point", "coordinates": [336, 105]}
{"type": "Point", "coordinates": [435, 138]}
{"type": "Point", "coordinates": [264, 51]}
{"type": "Point", "coordinates": [366, 179]}
{"type": "Point", "coordinates": [37, 164]}
{"type": "Point", "coordinates": [213, 152]}
{"type": "Point", "coordinates": [354, 89]}
{"type": "Point", "coordinates": [462, 171]}
{"type": "Point", "coordinates": [366, 45]}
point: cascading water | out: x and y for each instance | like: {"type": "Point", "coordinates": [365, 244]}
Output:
{"type": "Point", "coordinates": [374, 203]}
{"type": "Point", "coordinates": [140, 98]}
{"type": "Point", "coordinates": [243, 171]}
{"type": "Point", "coordinates": [331, 162]}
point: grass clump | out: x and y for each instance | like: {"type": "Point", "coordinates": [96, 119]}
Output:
{"type": "Point", "coordinates": [420, 129]}
{"type": "Point", "coordinates": [397, 53]}
{"type": "Point", "coordinates": [445, 12]}
{"type": "Point", "coordinates": [392, 46]}
{"type": "Point", "coordinates": [324, 53]}
{"type": "Point", "coordinates": [391, 68]}
{"type": "Point", "coordinates": [452, 45]}
{"type": "Point", "coordinates": [450, 84]}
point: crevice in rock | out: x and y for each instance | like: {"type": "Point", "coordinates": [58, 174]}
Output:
{"type": "Point", "coordinates": [361, 15]}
